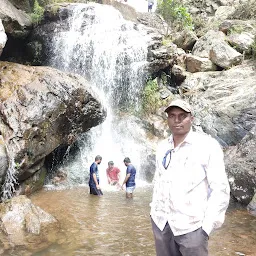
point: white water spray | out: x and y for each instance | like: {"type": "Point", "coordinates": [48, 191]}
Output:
{"type": "Point", "coordinates": [111, 53]}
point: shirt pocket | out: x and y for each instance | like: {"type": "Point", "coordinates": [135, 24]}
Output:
{"type": "Point", "coordinates": [194, 174]}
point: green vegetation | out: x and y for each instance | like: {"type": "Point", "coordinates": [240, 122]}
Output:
{"type": "Point", "coordinates": [174, 13]}
{"type": "Point", "coordinates": [151, 100]}
{"type": "Point", "coordinates": [166, 41]}
{"type": "Point", "coordinates": [235, 30]}
{"type": "Point", "coordinates": [151, 97]}
{"type": "Point", "coordinates": [38, 13]}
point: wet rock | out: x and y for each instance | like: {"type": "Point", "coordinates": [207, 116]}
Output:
{"type": "Point", "coordinates": [42, 108]}
{"type": "Point", "coordinates": [22, 222]}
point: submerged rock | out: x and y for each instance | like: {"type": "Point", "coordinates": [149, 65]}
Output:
{"type": "Point", "coordinates": [24, 223]}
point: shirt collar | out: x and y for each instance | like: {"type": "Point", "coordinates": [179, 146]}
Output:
{"type": "Point", "coordinates": [188, 139]}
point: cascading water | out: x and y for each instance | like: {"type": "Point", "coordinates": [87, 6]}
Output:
{"type": "Point", "coordinates": [111, 53]}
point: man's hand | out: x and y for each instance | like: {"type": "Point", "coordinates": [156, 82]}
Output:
{"type": "Point", "coordinates": [98, 186]}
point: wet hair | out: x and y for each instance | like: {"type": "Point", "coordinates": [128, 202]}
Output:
{"type": "Point", "coordinates": [111, 163]}
{"type": "Point", "coordinates": [98, 157]}
{"type": "Point", "coordinates": [127, 160]}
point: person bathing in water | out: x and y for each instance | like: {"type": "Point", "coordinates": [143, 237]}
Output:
{"type": "Point", "coordinates": [113, 175]}
{"type": "Point", "coordinates": [129, 180]}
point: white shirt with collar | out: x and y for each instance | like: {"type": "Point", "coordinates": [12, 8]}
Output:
{"type": "Point", "coordinates": [193, 191]}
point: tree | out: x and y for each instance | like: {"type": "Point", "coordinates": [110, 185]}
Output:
{"type": "Point", "coordinates": [174, 13]}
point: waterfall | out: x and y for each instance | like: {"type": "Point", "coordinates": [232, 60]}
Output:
{"type": "Point", "coordinates": [111, 53]}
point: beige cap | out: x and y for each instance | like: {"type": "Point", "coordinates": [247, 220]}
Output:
{"type": "Point", "coordinates": [180, 104]}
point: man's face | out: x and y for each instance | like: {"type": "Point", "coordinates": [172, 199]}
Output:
{"type": "Point", "coordinates": [179, 121]}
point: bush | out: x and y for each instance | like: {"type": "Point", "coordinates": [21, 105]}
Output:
{"type": "Point", "coordinates": [38, 13]}
{"type": "Point", "coordinates": [174, 13]}
{"type": "Point", "coordinates": [151, 97]}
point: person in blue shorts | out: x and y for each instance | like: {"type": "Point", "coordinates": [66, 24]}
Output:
{"type": "Point", "coordinates": [94, 177]}
{"type": "Point", "coordinates": [129, 180]}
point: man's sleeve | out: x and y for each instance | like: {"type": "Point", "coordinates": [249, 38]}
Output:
{"type": "Point", "coordinates": [219, 190]}
{"type": "Point", "coordinates": [129, 169]}
{"type": "Point", "coordinates": [94, 168]}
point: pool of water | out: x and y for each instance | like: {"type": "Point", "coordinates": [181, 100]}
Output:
{"type": "Point", "coordinates": [113, 225]}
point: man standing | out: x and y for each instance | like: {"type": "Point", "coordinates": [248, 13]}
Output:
{"type": "Point", "coordinates": [191, 190]}
{"type": "Point", "coordinates": [94, 177]}
{"type": "Point", "coordinates": [129, 178]}
{"type": "Point", "coordinates": [113, 174]}
{"type": "Point", "coordinates": [150, 5]}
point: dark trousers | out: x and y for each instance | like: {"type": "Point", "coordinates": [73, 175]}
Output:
{"type": "Point", "coordinates": [95, 191]}
{"type": "Point", "coordinates": [194, 243]}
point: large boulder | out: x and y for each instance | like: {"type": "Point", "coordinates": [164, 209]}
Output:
{"type": "Point", "coordinates": [197, 64]}
{"type": "Point", "coordinates": [42, 108]}
{"type": "Point", "coordinates": [213, 45]}
{"type": "Point", "coordinates": [22, 222]}
{"type": "Point", "coordinates": [240, 163]}
{"type": "Point", "coordinates": [185, 39]}
{"type": "Point", "coordinates": [25, 5]}
{"type": "Point", "coordinates": [16, 22]}
{"type": "Point", "coordinates": [240, 34]}
{"type": "Point", "coordinates": [224, 102]}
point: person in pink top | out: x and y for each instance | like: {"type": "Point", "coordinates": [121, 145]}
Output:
{"type": "Point", "coordinates": [113, 174]}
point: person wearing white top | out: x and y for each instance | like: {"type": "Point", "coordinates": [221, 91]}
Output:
{"type": "Point", "coordinates": [191, 190]}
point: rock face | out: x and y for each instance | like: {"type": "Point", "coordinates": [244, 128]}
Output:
{"type": "Point", "coordinates": [42, 108]}
{"type": "Point", "coordinates": [224, 102]}
{"type": "Point", "coordinates": [25, 5]}
{"type": "Point", "coordinates": [21, 222]}
{"type": "Point", "coordinates": [16, 22]}
{"type": "Point", "coordinates": [240, 162]}
{"type": "Point", "coordinates": [213, 45]}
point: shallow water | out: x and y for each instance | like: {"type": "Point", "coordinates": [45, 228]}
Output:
{"type": "Point", "coordinates": [113, 225]}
